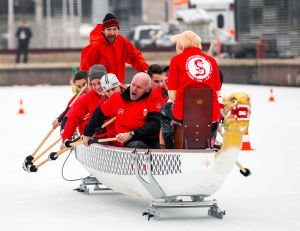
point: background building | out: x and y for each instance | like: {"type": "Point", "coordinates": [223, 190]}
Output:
{"type": "Point", "coordinates": [63, 23]}
{"type": "Point", "coordinates": [277, 20]}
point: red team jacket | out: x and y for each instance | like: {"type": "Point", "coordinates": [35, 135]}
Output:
{"type": "Point", "coordinates": [78, 117]}
{"type": "Point", "coordinates": [112, 56]}
{"type": "Point", "coordinates": [193, 69]}
{"type": "Point", "coordinates": [130, 115]}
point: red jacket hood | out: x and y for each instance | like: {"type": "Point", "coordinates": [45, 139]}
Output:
{"type": "Point", "coordinates": [96, 33]}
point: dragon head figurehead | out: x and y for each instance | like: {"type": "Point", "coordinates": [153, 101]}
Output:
{"type": "Point", "coordinates": [236, 114]}
{"type": "Point", "coordinates": [237, 111]}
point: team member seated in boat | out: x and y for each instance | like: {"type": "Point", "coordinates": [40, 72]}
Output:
{"type": "Point", "coordinates": [85, 105]}
{"type": "Point", "coordinates": [157, 76]}
{"type": "Point", "coordinates": [155, 72]}
{"type": "Point", "coordinates": [80, 80]}
{"type": "Point", "coordinates": [112, 50]}
{"type": "Point", "coordinates": [190, 68]}
{"type": "Point", "coordinates": [110, 85]}
{"type": "Point", "coordinates": [137, 112]}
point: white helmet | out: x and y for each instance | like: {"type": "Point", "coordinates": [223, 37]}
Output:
{"type": "Point", "coordinates": [109, 81]}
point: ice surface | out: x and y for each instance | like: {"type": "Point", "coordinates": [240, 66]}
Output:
{"type": "Point", "coordinates": [267, 200]}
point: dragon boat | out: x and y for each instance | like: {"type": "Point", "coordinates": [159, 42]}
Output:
{"type": "Point", "coordinates": [173, 178]}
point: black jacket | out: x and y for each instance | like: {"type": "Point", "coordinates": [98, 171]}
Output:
{"type": "Point", "coordinates": [27, 32]}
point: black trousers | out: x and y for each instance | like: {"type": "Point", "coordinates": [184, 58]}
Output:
{"type": "Point", "coordinates": [22, 48]}
{"type": "Point", "coordinates": [151, 143]}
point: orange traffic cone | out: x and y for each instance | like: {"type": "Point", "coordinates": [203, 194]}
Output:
{"type": "Point", "coordinates": [246, 146]}
{"type": "Point", "coordinates": [21, 110]}
{"type": "Point", "coordinates": [271, 98]}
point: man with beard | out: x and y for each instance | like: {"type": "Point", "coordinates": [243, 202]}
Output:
{"type": "Point", "coordinates": [112, 50]}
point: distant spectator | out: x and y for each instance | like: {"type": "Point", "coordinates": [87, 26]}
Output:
{"type": "Point", "coordinates": [261, 48]}
{"type": "Point", "coordinates": [23, 35]}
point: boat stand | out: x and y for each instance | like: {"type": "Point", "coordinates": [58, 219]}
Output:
{"type": "Point", "coordinates": [175, 202]}
{"type": "Point", "coordinates": [90, 181]}
{"type": "Point", "coordinates": [161, 200]}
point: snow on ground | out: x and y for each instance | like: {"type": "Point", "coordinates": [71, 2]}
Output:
{"type": "Point", "coordinates": [267, 200]}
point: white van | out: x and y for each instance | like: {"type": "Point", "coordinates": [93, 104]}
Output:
{"type": "Point", "coordinates": [144, 36]}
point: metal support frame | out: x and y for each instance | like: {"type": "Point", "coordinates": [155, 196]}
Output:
{"type": "Point", "coordinates": [160, 198]}
{"type": "Point", "coordinates": [174, 202]}
{"type": "Point", "coordinates": [152, 187]}
{"type": "Point", "coordinates": [90, 181]}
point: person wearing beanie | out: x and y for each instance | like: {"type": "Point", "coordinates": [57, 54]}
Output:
{"type": "Point", "coordinates": [110, 84]}
{"type": "Point", "coordinates": [112, 50]}
{"type": "Point", "coordinates": [80, 114]}
{"type": "Point", "coordinates": [190, 68]}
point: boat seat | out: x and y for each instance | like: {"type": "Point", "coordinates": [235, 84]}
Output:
{"type": "Point", "coordinates": [195, 133]}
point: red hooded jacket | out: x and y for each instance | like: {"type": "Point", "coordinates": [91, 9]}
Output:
{"type": "Point", "coordinates": [112, 56]}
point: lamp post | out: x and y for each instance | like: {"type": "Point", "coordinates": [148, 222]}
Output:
{"type": "Point", "coordinates": [10, 24]}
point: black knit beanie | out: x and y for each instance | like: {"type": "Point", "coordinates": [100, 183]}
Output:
{"type": "Point", "coordinates": [110, 20]}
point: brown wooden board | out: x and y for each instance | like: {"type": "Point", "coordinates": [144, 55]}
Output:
{"type": "Point", "coordinates": [197, 118]}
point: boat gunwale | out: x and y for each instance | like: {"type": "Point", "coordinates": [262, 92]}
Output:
{"type": "Point", "coordinates": [154, 151]}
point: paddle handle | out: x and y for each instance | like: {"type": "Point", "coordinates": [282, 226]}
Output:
{"type": "Point", "coordinates": [46, 150]}
{"type": "Point", "coordinates": [57, 154]}
{"type": "Point", "coordinates": [108, 122]}
{"type": "Point", "coordinates": [107, 139]}
{"type": "Point", "coordinates": [74, 100]}
{"type": "Point", "coordinates": [43, 141]}
{"type": "Point", "coordinates": [75, 143]}
{"type": "Point", "coordinates": [240, 166]}
{"type": "Point", "coordinates": [211, 47]}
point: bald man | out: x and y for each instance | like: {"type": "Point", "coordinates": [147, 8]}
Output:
{"type": "Point", "coordinates": [137, 112]}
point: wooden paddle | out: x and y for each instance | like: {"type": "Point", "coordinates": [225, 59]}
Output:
{"type": "Point", "coordinates": [46, 150]}
{"type": "Point", "coordinates": [211, 47]}
{"type": "Point", "coordinates": [108, 122]}
{"type": "Point", "coordinates": [55, 155]}
{"type": "Point", "coordinates": [52, 129]}
{"type": "Point", "coordinates": [43, 141]}
{"type": "Point", "coordinates": [244, 171]}
{"type": "Point", "coordinates": [101, 140]}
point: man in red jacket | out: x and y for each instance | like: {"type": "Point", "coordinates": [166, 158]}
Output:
{"type": "Point", "coordinates": [85, 105]}
{"type": "Point", "coordinates": [158, 83]}
{"type": "Point", "coordinates": [137, 112]}
{"type": "Point", "coordinates": [112, 50]}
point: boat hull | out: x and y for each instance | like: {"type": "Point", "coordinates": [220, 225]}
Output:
{"type": "Point", "coordinates": [175, 172]}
